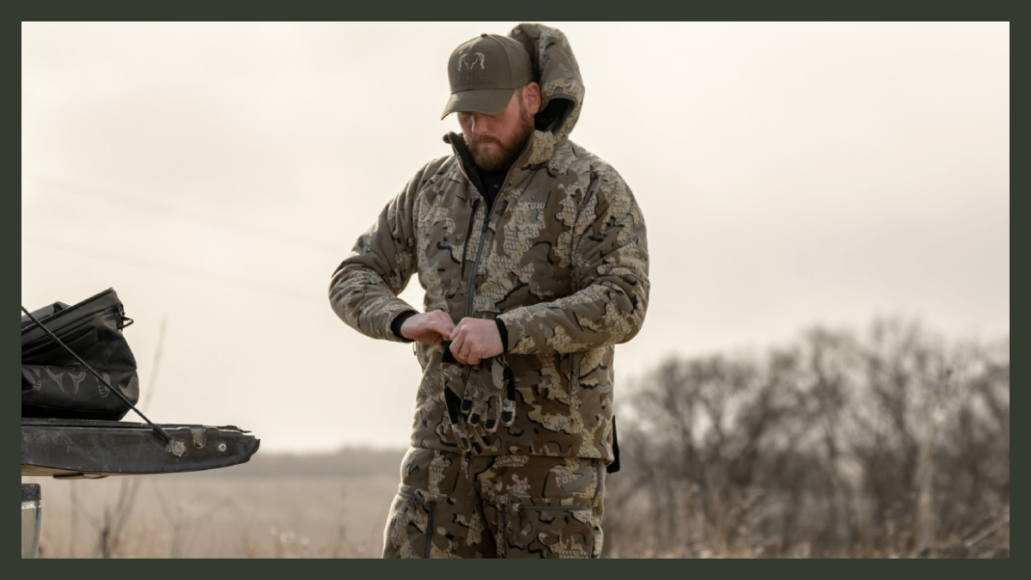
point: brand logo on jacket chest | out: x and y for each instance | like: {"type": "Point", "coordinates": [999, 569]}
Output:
{"type": "Point", "coordinates": [531, 205]}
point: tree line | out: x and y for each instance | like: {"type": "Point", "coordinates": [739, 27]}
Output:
{"type": "Point", "coordinates": [889, 442]}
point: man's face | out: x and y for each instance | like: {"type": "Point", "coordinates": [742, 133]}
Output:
{"type": "Point", "coordinates": [495, 141]}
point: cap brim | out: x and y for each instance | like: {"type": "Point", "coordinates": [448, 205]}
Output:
{"type": "Point", "coordinates": [485, 101]}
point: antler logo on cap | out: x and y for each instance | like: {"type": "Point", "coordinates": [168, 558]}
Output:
{"type": "Point", "coordinates": [463, 61]}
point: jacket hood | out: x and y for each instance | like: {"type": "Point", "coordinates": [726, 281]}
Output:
{"type": "Point", "coordinates": [562, 89]}
{"type": "Point", "coordinates": [562, 92]}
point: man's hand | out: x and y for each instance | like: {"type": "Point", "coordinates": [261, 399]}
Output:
{"type": "Point", "coordinates": [475, 339]}
{"type": "Point", "coordinates": [428, 328]}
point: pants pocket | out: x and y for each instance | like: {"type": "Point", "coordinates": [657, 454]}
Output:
{"type": "Point", "coordinates": [550, 531]}
{"type": "Point", "coordinates": [429, 526]}
{"type": "Point", "coordinates": [409, 527]}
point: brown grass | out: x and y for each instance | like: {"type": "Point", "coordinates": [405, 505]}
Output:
{"type": "Point", "coordinates": [890, 444]}
{"type": "Point", "coordinates": [222, 516]}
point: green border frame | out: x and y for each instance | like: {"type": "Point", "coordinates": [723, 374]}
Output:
{"type": "Point", "coordinates": [751, 10]}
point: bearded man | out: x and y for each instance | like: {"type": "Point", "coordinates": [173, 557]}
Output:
{"type": "Point", "coordinates": [533, 256]}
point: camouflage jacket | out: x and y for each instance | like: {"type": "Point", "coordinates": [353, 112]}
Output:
{"type": "Point", "coordinates": [561, 259]}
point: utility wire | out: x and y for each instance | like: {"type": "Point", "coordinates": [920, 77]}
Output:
{"type": "Point", "coordinates": [195, 216]}
{"type": "Point", "coordinates": [94, 252]}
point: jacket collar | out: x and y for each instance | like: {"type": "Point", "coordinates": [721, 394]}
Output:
{"type": "Point", "coordinates": [465, 161]}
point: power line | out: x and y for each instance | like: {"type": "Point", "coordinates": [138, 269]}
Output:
{"type": "Point", "coordinates": [191, 215]}
{"type": "Point", "coordinates": [94, 252]}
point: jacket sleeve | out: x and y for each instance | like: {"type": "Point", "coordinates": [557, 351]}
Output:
{"type": "Point", "coordinates": [364, 288]}
{"type": "Point", "coordinates": [610, 263]}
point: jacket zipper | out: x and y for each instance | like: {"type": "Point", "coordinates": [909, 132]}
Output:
{"type": "Point", "coordinates": [490, 211]}
{"type": "Point", "coordinates": [469, 234]}
{"type": "Point", "coordinates": [498, 202]}
{"type": "Point", "coordinates": [470, 298]}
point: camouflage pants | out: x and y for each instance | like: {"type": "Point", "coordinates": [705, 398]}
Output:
{"type": "Point", "coordinates": [510, 506]}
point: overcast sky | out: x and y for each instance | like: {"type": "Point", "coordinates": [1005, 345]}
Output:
{"type": "Point", "coordinates": [215, 174]}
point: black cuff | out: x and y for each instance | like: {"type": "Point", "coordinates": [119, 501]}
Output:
{"type": "Point", "coordinates": [400, 319]}
{"type": "Point", "coordinates": [504, 334]}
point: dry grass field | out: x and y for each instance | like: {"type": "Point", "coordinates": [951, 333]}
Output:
{"type": "Point", "coordinates": [889, 443]}
{"type": "Point", "coordinates": [324, 506]}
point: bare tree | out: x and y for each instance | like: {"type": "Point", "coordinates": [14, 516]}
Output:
{"type": "Point", "coordinates": [895, 442]}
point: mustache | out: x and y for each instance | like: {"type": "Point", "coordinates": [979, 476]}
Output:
{"type": "Point", "coordinates": [484, 139]}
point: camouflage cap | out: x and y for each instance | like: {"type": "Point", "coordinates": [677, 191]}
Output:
{"type": "Point", "coordinates": [485, 72]}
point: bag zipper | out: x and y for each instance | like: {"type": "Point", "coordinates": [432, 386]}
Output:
{"type": "Point", "coordinates": [44, 340]}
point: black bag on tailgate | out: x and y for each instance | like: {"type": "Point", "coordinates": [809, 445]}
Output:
{"type": "Point", "coordinates": [54, 384]}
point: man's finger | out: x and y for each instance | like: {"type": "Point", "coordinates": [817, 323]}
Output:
{"type": "Point", "coordinates": [457, 340]}
{"type": "Point", "coordinates": [441, 329]}
{"type": "Point", "coordinates": [444, 319]}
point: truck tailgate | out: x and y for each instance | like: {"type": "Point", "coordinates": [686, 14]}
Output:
{"type": "Point", "coordinates": [85, 448]}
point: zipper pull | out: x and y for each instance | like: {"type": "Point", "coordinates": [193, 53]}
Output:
{"type": "Point", "coordinates": [498, 208]}
{"type": "Point", "coordinates": [121, 314]}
